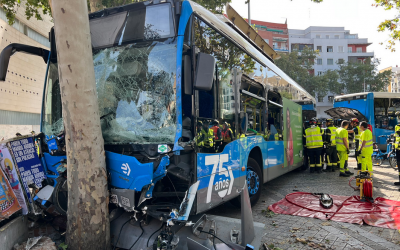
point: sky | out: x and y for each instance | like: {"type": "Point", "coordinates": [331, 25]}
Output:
{"type": "Point", "coordinates": [358, 16]}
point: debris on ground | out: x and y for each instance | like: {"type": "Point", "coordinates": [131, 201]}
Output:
{"type": "Point", "coordinates": [37, 243]}
{"type": "Point", "coordinates": [271, 247]}
{"type": "Point", "coordinates": [326, 224]}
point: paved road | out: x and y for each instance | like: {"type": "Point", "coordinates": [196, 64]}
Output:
{"type": "Point", "coordinates": [282, 231]}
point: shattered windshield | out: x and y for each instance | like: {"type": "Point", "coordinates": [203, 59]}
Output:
{"type": "Point", "coordinates": [52, 123]}
{"type": "Point", "coordinates": [136, 92]}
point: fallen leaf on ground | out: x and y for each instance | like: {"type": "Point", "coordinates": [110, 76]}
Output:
{"type": "Point", "coordinates": [303, 241]}
{"type": "Point", "coordinates": [326, 224]}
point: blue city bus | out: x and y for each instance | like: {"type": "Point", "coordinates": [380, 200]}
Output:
{"type": "Point", "coordinates": [308, 107]}
{"type": "Point", "coordinates": [161, 67]}
{"type": "Point", "coordinates": [377, 108]}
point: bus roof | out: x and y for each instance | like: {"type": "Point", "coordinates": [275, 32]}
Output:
{"type": "Point", "coordinates": [376, 95]}
{"type": "Point", "coordinates": [219, 23]}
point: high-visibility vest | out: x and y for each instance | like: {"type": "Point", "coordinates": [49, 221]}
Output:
{"type": "Point", "coordinates": [366, 136]}
{"type": "Point", "coordinates": [240, 136]}
{"type": "Point", "coordinates": [341, 133]}
{"type": "Point", "coordinates": [331, 134]}
{"type": "Point", "coordinates": [217, 133]}
{"type": "Point", "coordinates": [397, 136]}
{"type": "Point", "coordinates": [314, 137]}
{"type": "Point", "coordinates": [207, 139]}
{"type": "Point", "coordinates": [226, 135]}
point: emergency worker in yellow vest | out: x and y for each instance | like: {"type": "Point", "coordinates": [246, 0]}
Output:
{"type": "Point", "coordinates": [205, 139]}
{"type": "Point", "coordinates": [329, 137]}
{"type": "Point", "coordinates": [314, 146]}
{"type": "Point", "coordinates": [305, 152]}
{"type": "Point", "coordinates": [397, 144]}
{"type": "Point", "coordinates": [357, 133]}
{"type": "Point", "coordinates": [342, 146]}
{"type": "Point", "coordinates": [366, 149]}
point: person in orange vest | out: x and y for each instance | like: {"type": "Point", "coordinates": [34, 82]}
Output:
{"type": "Point", "coordinates": [217, 135]}
{"type": "Point", "coordinates": [227, 134]}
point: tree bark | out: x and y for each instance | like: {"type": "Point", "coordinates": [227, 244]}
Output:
{"type": "Point", "coordinates": [95, 5]}
{"type": "Point", "coordinates": [88, 221]}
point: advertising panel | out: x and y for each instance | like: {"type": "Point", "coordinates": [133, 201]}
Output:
{"type": "Point", "coordinates": [8, 167]}
{"type": "Point", "coordinates": [8, 202]}
{"type": "Point", "coordinates": [292, 132]}
{"type": "Point", "coordinates": [28, 163]}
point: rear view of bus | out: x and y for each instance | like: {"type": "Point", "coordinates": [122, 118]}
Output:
{"type": "Point", "coordinates": [377, 108]}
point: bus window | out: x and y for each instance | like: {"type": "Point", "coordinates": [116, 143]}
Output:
{"type": "Point", "coordinates": [385, 110]}
{"type": "Point", "coordinates": [275, 116]}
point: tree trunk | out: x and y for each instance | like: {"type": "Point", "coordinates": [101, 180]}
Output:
{"type": "Point", "coordinates": [95, 5]}
{"type": "Point", "coordinates": [88, 221]}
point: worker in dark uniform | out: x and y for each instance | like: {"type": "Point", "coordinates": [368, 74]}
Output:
{"type": "Point", "coordinates": [330, 146]}
{"type": "Point", "coordinates": [205, 139]}
{"type": "Point", "coordinates": [314, 146]}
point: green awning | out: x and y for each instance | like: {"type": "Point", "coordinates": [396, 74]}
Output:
{"type": "Point", "coordinates": [274, 30]}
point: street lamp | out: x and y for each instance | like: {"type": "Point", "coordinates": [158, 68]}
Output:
{"type": "Point", "coordinates": [249, 19]}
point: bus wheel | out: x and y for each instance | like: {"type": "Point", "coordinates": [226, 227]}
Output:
{"type": "Point", "coordinates": [254, 183]}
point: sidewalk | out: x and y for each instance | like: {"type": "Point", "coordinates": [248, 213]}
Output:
{"type": "Point", "coordinates": [294, 232]}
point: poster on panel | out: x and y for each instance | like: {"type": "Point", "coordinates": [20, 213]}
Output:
{"type": "Point", "coordinates": [28, 163]}
{"type": "Point", "coordinates": [8, 202]}
{"type": "Point", "coordinates": [292, 133]}
{"type": "Point", "coordinates": [8, 167]}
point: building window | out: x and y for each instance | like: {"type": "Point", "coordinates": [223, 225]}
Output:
{"type": "Point", "coordinates": [340, 61]}
{"type": "Point", "coordinates": [360, 61]}
{"type": "Point", "coordinates": [330, 98]}
{"type": "Point", "coordinates": [359, 50]}
{"type": "Point", "coordinates": [349, 49]}
{"type": "Point", "coordinates": [330, 61]}
{"type": "Point", "coordinates": [266, 40]}
{"type": "Point", "coordinates": [320, 99]}
{"type": "Point", "coordinates": [336, 36]}
{"type": "Point", "coordinates": [319, 73]}
{"type": "Point", "coordinates": [327, 36]}
{"type": "Point", "coordinates": [318, 36]}
{"type": "Point", "coordinates": [329, 49]}
{"type": "Point", "coordinates": [275, 45]}
{"type": "Point", "coordinates": [340, 49]}
{"type": "Point", "coordinates": [319, 48]}
{"type": "Point", "coordinates": [319, 61]}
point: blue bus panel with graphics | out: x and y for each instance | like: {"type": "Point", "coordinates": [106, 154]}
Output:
{"type": "Point", "coordinates": [377, 108]}
{"type": "Point", "coordinates": [164, 70]}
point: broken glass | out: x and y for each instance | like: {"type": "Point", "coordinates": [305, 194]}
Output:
{"type": "Point", "coordinates": [52, 123]}
{"type": "Point", "coordinates": [136, 92]}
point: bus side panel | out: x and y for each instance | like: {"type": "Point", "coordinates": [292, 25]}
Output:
{"type": "Point", "coordinates": [274, 164]}
{"type": "Point", "coordinates": [220, 177]}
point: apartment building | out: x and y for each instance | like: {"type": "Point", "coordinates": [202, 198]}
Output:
{"type": "Point", "coordinates": [394, 83]}
{"type": "Point", "coordinates": [275, 34]}
{"type": "Point", "coordinates": [335, 45]}
{"type": "Point", "coordinates": [21, 93]}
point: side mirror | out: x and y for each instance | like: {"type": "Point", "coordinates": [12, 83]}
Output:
{"type": "Point", "coordinates": [205, 69]}
{"type": "Point", "coordinates": [16, 47]}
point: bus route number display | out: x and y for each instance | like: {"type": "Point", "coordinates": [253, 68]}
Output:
{"type": "Point", "coordinates": [28, 162]}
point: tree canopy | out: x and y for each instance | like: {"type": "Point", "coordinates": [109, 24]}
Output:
{"type": "Point", "coordinates": [349, 78]}
{"type": "Point", "coordinates": [391, 24]}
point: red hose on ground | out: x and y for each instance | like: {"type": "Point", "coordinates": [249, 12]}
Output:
{"type": "Point", "coordinates": [334, 213]}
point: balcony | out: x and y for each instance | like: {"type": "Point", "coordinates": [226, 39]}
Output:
{"type": "Point", "coordinates": [362, 54]}
{"type": "Point", "coordinates": [281, 49]}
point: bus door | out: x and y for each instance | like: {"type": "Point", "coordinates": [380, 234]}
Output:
{"type": "Point", "coordinates": [218, 167]}
{"type": "Point", "coordinates": [275, 160]}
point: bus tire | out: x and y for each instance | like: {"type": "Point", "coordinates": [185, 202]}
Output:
{"type": "Point", "coordinates": [60, 196]}
{"type": "Point", "coordinates": [254, 183]}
